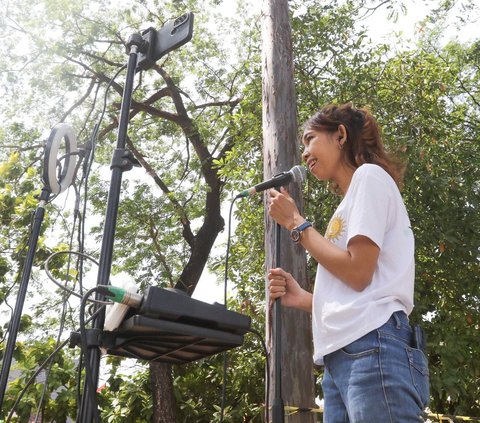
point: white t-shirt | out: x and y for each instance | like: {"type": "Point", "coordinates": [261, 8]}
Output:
{"type": "Point", "coordinates": [372, 207]}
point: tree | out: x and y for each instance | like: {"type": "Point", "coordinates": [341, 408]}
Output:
{"type": "Point", "coordinates": [425, 97]}
{"type": "Point", "coordinates": [183, 218]}
{"type": "Point", "coordinates": [288, 330]}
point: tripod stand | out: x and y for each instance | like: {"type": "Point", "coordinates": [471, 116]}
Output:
{"type": "Point", "coordinates": [54, 184]}
{"type": "Point", "coordinates": [143, 50]}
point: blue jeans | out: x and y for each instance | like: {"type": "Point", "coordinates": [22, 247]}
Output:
{"type": "Point", "coordinates": [379, 378]}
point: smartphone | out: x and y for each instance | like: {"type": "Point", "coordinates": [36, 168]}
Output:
{"type": "Point", "coordinates": [170, 36]}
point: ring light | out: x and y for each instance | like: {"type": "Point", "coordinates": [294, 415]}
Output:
{"type": "Point", "coordinates": [54, 183]}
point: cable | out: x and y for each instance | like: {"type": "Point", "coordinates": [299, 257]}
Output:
{"type": "Point", "coordinates": [267, 371]}
{"type": "Point", "coordinates": [62, 325]}
{"type": "Point", "coordinates": [87, 167]}
{"type": "Point", "coordinates": [32, 379]}
{"type": "Point", "coordinates": [41, 367]}
{"type": "Point", "coordinates": [225, 280]}
{"type": "Point", "coordinates": [86, 354]}
{"type": "Point", "coordinates": [254, 331]}
{"type": "Point", "coordinates": [71, 291]}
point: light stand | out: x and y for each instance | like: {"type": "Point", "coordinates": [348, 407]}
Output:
{"type": "Point", "coordinates": [122, 161]}
{"type": "Point", "coordinates": [55, 186]}
{"type": "Point", "coordinates": [143, 50]}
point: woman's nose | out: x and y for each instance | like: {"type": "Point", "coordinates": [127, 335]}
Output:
{"type": "Point", "coordinates": [305, 155]}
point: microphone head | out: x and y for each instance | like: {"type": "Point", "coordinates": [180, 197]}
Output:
{"type": "Point", "coordinates": [299, 173]}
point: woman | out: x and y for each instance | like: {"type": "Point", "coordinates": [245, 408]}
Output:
{"type": "Point", "coordinates": [374, 372]}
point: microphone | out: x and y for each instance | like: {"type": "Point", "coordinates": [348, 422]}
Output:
{"type": "Point", "coordinates": [295, 174]}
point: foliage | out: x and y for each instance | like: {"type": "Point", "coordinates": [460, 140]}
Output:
{"type": "Point", "coordinates": [126, 398]}
{"type": "Point", "coordinates": [244, 398]}
{"type": "Point", "coordinates": [196, 128]}
{"type": "Point", "coordinates": [60, 391]}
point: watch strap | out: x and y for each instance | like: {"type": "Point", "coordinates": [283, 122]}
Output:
{"type": "Point", "coordinates": [296, 233]}
{"type": "Point", "coordinates": [303, 226]}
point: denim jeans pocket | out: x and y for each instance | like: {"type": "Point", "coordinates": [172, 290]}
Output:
{"type": "Point", "coordinates": [364, 346]}
{"type": "Point", "coordinates": [420, 374]}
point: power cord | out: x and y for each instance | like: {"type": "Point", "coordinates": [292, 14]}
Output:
{"type": "Point", "coordinates": [86, 353]}
{"type": "Point", "coordinates": [60, 331]}
{"type": "Point", "coordinates": [267, 370]}
{"type": "Point", "coordinates": [40, 368]}
{"type": "Point", "coordinates": [225, 281]}
{"type": "Point", "coordinates": [55, 281]}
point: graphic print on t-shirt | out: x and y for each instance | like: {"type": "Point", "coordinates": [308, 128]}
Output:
{"type": "Point", "coordinates": [335, 228]}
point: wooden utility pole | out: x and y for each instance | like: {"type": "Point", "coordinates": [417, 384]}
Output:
{"type": "Point", "coordinates": [281, 153]}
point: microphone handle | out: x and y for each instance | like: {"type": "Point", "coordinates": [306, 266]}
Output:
{"type": "Point", "coordinates": [277, 181]}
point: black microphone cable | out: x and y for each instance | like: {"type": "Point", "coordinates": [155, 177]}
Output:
{"type": "Point", "coordinates": [42, 367]}
{"type": "Point", "coordinates": [267, 371]}
{"type": "Point", "coordinates": [87, 167]}
{"type": "Point", "coordinates": [86, 353]}
{"type": "Point", "coordinates": [33, 378]}
{"type": "Point", "coordinates": [254, 331]}
{"type": "Point", "coordinates": [62, 324]}
{"type": "Point", "coordinates": [85, 179]}
{"type": "Point", "coordinates": [225, 282]}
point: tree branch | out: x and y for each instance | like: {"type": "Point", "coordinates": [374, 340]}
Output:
{"type": "Point", "coordinates": [187, 231]}
{"type": "Point", "coordinates": [158, 251]}
{"type": "Point", "coordinates": [80, 101]}
{"type": "Point", "coordinates": [231, 103]}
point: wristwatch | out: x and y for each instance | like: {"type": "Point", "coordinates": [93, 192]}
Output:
{"type": "Point", "coordinates": [296, 233]}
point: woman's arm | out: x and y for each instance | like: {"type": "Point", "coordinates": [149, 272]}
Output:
{"type": "Point", "coordinates": [354, 266]}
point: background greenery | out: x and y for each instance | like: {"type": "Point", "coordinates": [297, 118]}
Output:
{"type": "Point", "coordinates": [197, 126]}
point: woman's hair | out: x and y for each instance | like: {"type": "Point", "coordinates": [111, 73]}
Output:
{"type": "Point", "coordinates": [364, 143]}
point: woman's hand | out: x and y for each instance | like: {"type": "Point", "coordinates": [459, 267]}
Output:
{"type": "Point", "coordinates": [283, 285]}
{"type": "Point", "coordinates": [283, 210]}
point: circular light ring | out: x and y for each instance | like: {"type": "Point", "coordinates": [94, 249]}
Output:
{"type": "Point", "coordinates": [53, 183]}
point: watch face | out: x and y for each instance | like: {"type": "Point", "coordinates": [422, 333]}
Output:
{"type": "Point", "coordinates": [295, 235]}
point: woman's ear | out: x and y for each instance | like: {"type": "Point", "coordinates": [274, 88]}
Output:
{"type": "Point", "coordinates": [342, 133]}
{"type": "Point", "coordinates": [342, 136]}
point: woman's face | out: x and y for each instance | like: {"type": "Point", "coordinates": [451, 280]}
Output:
{"type": "Point", "coordinates": [322, 153]}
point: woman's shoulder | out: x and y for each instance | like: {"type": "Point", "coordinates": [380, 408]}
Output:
{"type": "Point", "coordinates": [370, 170]}
{"type": "Point", "coordinates": [373, 175]}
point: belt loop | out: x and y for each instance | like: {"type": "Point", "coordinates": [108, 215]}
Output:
{"type": "Point", "coordinates": [397, 320]}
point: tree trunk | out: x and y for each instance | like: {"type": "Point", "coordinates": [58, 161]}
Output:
{"type": "Point", "coordinates": [281, 152]}
{"type": "Point", "coordinates": [162, 393]}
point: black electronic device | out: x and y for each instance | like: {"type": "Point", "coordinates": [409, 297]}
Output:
{"type": "Point", "coordinates": [166, 341]}
{"type": "Point", "coordinates": [170, 36]}
{"type": "Point", "coordinates": [177, 306]}
{"type": "Point", "coordinates": [171, 327]}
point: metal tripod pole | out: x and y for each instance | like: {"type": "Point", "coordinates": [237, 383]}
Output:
{"type": "Point", "coordinates": [22, 292]}
{"type": "Point", "coordinates": [278, 414]}
{"type": "Point", "coordinates": [121, 161]}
